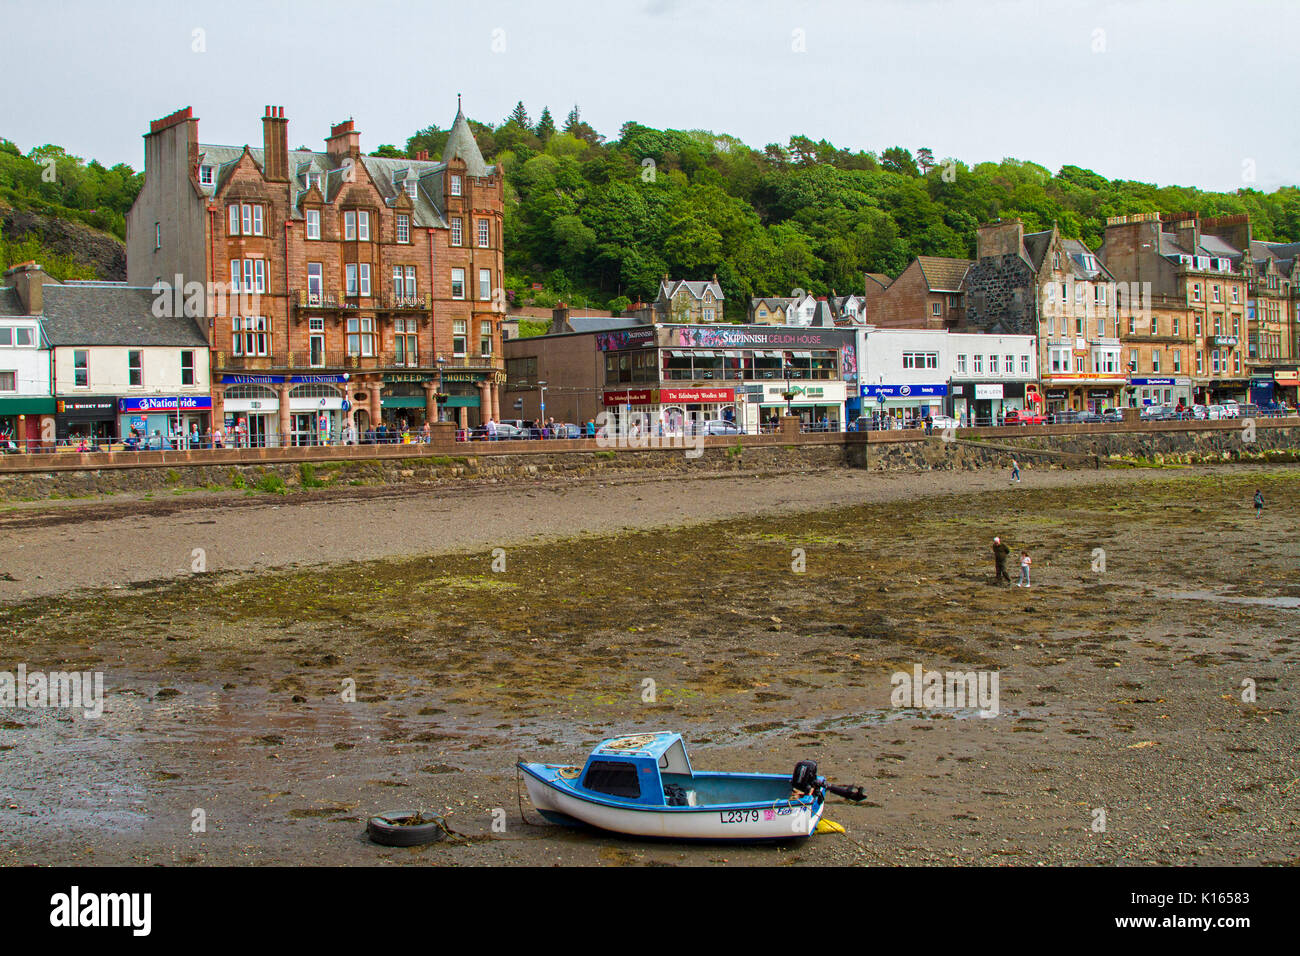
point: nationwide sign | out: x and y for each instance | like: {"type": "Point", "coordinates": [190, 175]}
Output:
{"type": "Point", "coordinates": [904, 391]}
{"type": "Point", "coordinates": [165, 404]}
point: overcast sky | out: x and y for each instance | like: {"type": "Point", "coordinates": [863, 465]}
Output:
{"type": "Point", "coordinates": [1186, 92]}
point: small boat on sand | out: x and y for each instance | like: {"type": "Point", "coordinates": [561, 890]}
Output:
{"type": "Point", "coordinates": [644, 785]}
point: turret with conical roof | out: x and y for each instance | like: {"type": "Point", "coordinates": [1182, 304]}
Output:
{"type": "Point", "coordinates": [461, 143]}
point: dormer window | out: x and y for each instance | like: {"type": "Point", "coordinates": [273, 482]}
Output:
{"type": "Point", "coordinates": [206, 177]}
{"type": "Point", "coordinates": [317, 180]}
{"type": "Point", "coordinates": [411, 187]}
{"type": "Point", "coordinates": [1202, 262]}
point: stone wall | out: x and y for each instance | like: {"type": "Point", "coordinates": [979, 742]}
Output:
{"type": "Point", "coordinates": [275, 470]}
{"type": "Point", "coordinates": [278, 477]}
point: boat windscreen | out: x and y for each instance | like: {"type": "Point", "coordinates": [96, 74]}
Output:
{"type": "Point", "coordinates": [673, 760]}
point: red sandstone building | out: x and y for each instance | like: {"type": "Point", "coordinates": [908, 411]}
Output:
{"type": "Point", "coordinates": [335, 288]}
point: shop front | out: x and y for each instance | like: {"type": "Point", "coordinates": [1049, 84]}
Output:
{"type": "Point", "coordinates": [405, 400]}
{"type": "Point", "coordinates": [669, 412]}
{"type": "Point", "coordinates": [316, 413]}
{"type": "Point", "coordinates": [985, 402]}
{"type": "Point", "coordinates": [1095, 393]}
{"type": "Point", "coordinates": [1262, 390]}
{"type": "Point", "coordinates": [165, 416]}
{"type": "Point", "coordinates": [1159, 391]}
{"type": "Point", "coordinates": [817, 405]}
{"type": "Point", "coordinates": [22, 419]}
{"type": "Point", "coordinates": [91, 417]}
{"type": "Point", "coordinates": [270, 410]}
{"type": "Point", "coordinates": [1286, 386]}
{"type": "Point", "coordinates": [257, 407]}
{"type": "Point", "coordinates": [1235, 389]}
{"type": "Point", "coordinates": [899, 405]}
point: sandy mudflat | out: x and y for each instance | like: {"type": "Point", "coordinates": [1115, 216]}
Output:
{"type": "Point", "coordinates": [1121, 686]}
{"type": "Point", "coordinates": [55, 547]}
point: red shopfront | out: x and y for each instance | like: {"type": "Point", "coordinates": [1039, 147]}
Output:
{"type": "Point", "coordinates": [666, 411]}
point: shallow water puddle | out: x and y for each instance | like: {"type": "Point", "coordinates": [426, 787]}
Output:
{"type": "Point", "coordinates": [1284, 603]}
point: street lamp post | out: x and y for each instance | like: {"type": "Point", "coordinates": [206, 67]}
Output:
{"type": "Point", "coordinates": [541, 389]}
{"type": "Point", "coordinates": [437, 398]}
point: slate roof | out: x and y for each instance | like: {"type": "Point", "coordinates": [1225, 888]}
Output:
{"type": "Point", "coordinates": [670, 287]}
{"type": "Point", "coordinates": [427, 211]}
{"type": "Point", "coordinates": [113, 314]}
{"type": "Point", "coordinates": [1036, 246]}
{"type": "Point", "coordinates": [603, 323]}
{"type": "Point", "coordinates": [943, 275]}
{"type": "Point", "coordinates": [1214, 246]}
{"type": "Point", "coordinates": [10, 304]}
{"type": "Point", "coordinates": [461, 142]}
{"type": "Point", "coordinates": [1077, 251]}
{"type": "Point", "coordinates": [823, 317]}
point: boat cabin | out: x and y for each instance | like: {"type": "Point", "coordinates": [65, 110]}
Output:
{"type": "Point", "coordinates": [646, 769]}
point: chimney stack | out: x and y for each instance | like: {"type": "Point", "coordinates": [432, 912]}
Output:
{"type": "Point", "coordinates": [344, 141]}
{"type": "Point", "coordinates": [275, 144]}
{"type": "Point", "coordinates": [28, 280]}
{"type": "Point", "coordinates": [422, 155]}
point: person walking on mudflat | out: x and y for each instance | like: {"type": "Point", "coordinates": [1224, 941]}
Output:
{"type": "Point", "coordinates": [1259, 504]}
{"type": "Point", "coordinates": [1015, 470]}
{"type": "Point", "coordinates": [1000, 552]}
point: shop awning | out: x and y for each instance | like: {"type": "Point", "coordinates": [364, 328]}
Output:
{"type": "Point", "coordinates": [27, 405]}
{"type": "Point", "coordinates": [403, 401]}
{"type": "Point", "coordinates": [704, 355]}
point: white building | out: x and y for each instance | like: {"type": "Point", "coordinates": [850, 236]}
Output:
{"type": "Point", "coordinates": [26, 402]}
{"type": "Point", "coordinates": [910, 373]}
{"type": "Point", "coordinates": [117, 365]}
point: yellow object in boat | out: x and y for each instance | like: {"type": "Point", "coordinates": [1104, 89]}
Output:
{"type": "Point", "coordinates": [829, 826]}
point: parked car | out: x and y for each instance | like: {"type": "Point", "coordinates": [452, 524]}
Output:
{"type": "Point", "coordinates": [717, 426]}
{"type": "Point", "coordinates": [1200, 413]}
{"type": "Point", "coordinates": [945, 421]}
{"type": "Point", "coordinates": [507, 432]}
{"type": "Point", "coordinates": [1216, 413]}
{"type": "Point", "coordinates": [1112, 415]}
{"type": "Point", "coordinates": [1231, 408]}
{"type": "Point", "coordinates": [1024, 417]}
{"type": "Point", "coordinates": [1088, 417]}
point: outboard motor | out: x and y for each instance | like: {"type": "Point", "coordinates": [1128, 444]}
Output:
{"type": "Point", "coordinates": [804, 778]}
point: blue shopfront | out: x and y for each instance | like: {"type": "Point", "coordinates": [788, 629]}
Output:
{"type": "Point", "coordinates": [903, 402]}
{"type": "Point", "coordinates": [164, 415]}
{"type": "Point", "coordinates": [1261, 391]}
{"type": "Point", "coordinates": [1159, 391]}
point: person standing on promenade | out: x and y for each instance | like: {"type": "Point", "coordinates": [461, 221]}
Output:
{"type": "Point", "coordinates": [1000, 552]}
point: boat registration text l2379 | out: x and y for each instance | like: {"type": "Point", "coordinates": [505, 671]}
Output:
{"type": "Point", "coordinates": [739, 816]}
